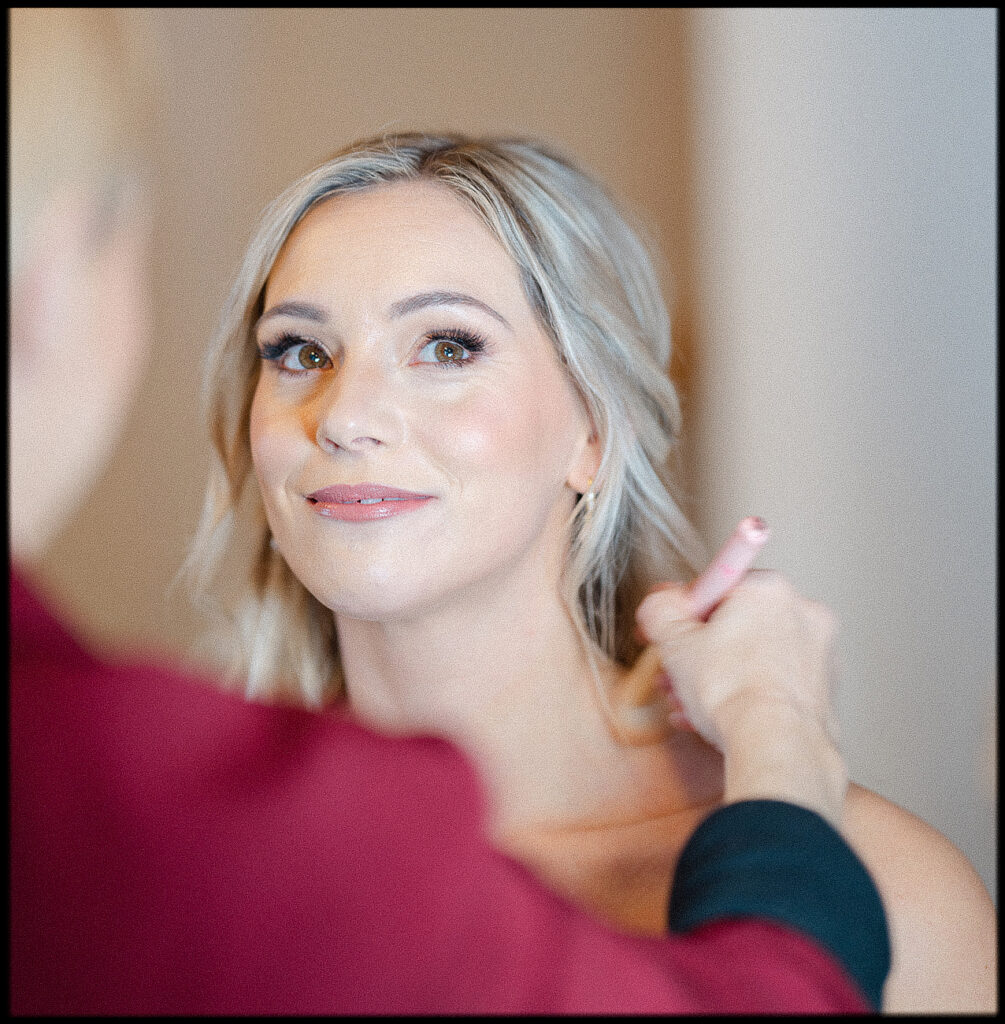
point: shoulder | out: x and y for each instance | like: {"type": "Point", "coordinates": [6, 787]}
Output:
{"type": "Point", "coordinates": [942, 921]}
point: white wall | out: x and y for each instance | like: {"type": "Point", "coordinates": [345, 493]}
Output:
{"type": "Point", "coordinates": [846, 212]}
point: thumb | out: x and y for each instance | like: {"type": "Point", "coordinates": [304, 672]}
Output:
{"type": "Point", "coordinates": [662, 608]}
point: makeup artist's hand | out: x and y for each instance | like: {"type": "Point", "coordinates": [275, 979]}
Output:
{"type": "Point", "coordinates": [755, 680]}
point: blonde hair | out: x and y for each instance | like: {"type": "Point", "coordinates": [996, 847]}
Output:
{"type": "Point", "coordinates": [592, 284]}
{"type": "Point", "coordinates": [79, 97]}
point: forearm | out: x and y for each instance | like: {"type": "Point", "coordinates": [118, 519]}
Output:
{"type": "Point", "coordinates": [774, 751]}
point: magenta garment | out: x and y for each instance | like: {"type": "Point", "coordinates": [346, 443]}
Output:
{"type": "Point", "coordinates": [178, 850]}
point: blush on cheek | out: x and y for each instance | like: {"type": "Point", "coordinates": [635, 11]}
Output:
{"type": "Point", "coordinates": [271, 453]}
{"type": "Point", "coordinates": [516, 431]}
{"type": "Point", "coordinates": [471, 434]}
{"type": "Point", "coordinates": [478, 444]}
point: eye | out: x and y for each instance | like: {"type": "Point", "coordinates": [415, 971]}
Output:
{"type": "Point", "coordinates": [309, 356]}
{"type": "Point", "coordinates": [295, 354]}
{"type": "Point", "coordinates": [450, 348]}
{"type": "Point", "coordinates": [444, 352]}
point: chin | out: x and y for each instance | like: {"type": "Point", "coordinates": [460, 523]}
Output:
{"type": "Point", "coordinates": [392, 580]}
{"type": "Point", "coordinates": [373, 592]}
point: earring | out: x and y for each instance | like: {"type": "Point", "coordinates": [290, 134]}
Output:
{"type": "Point", "coordinates": [589, 498]}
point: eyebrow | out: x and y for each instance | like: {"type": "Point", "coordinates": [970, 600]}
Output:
{"type": "Point", "coordinates": [425, 299]}
{"type": "Point", "coordinates": [308, 311]}
{"type": "Point", "coordinates": [301, 310]}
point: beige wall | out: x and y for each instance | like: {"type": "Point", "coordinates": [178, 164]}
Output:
{"type": "Point", "coordinates": [846, 204]}
{"type": "Point", "coordinates": [845, 370]}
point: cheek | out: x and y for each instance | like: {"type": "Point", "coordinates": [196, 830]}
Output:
{"type": "Point", "coordinates": [478, 435]}
{"type": "Point", "coordinates": [272, 448]}
{"type": "Point", "coordinates": [517, 434]}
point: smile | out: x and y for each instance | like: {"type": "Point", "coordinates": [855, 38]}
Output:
{"type": "Point", "coordinates": [364, 502]}
{"type": "Point", "coordinates": [367, 509]}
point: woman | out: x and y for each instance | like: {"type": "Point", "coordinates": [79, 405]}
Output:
{"type": "Point", "coordinates": [440, 385]}
{"type": "Point", "coordinates": [160, 819]}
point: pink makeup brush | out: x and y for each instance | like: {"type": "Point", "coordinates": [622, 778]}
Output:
{"type": "Point", "coordinates": [735, 557]}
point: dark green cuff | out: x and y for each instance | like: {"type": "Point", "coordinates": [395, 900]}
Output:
{"type": "Point", "coordinates": [776, 860]}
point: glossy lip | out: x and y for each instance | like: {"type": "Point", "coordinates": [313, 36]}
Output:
{"type": "Point", "coordinates": [345, 502]}
{"type": "Point", "coordinates": [360, 492]}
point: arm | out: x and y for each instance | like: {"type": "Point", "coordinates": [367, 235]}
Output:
{"type": "Point", "coordinates": [755, 681]}
{"type": "Point", "coordinates": [768, 711]}
{"type": "Point", "coordinates": [778, 861]}
{"type": "Point", "coordinates": [943, 926]}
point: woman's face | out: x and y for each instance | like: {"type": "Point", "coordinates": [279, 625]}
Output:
{"type": "Point", "coordinates": [399, 351]}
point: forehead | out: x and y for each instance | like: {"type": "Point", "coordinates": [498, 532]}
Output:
{"type": "Point", "coordinates": [396, 236]}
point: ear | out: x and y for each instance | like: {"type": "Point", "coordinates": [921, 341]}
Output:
{"type": "Point", "coordinates": [586, 464]}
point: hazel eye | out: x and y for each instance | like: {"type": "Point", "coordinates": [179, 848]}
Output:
{"type": "Point", "coordinates": [312, 357]}
{"type": "Point", "coordinates": [295, 355]}
{"type": "Point", "coordinates": [446, 349]}
{"type": "Point", "coordinates": [449, 352]}
{"type": "Point", "coordinates": [292, 353]}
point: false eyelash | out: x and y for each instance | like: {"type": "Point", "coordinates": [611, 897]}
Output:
{"type": "Point", "coordinates": [274, 349]}
{"type": "Point", "coordinates": [474, 343]}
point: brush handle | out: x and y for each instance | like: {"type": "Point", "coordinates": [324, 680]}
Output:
{"type": "Point", "coordinates": [734, 558]}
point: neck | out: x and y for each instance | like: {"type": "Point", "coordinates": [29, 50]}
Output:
{"type": "Point", "coordinates": [506, 678]}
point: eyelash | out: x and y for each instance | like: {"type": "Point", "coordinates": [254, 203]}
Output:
{"type": "Point", "coordinates": [474, 344]}
{"type": "Point", "coordinates": [273, 351]}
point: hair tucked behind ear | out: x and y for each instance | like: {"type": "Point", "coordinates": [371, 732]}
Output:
{"type": "Point", "coordinates": [591, 281]}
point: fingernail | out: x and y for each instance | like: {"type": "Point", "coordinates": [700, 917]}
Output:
{"type": "Point", "coordinates": [680, 721]}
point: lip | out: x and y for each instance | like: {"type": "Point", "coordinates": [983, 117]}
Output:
{"type": "Point", "coordinates": [345, 501]}
{"type": "Point", "coordinates": [345, 493]}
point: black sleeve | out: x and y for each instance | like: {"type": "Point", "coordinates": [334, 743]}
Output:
{"type": "Point", "coordinates": [772, 859]}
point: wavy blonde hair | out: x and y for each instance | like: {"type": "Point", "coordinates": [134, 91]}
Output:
{"type": "Point", "coordinates": [592, 284]}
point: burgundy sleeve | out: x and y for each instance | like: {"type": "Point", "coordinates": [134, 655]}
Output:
{"type": "Point", "coordinates": [176, 851]}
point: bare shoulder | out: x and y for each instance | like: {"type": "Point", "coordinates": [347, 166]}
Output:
{"type": "Point", "coordinates": [942, 921]}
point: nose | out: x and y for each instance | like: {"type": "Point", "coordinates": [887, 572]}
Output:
{"type": "Point", "coordinates": [357, 409]}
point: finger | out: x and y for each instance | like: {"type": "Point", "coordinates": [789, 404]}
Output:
{"type": "Point", "coordinates": [676, 716]}
{"type": "Point", "coordinates": [637, 631]}
{"type": "Point", "coordinates": [660, 609]}
{"type": "Point", "coordinates": [638, 685]}
{"type": "Point", "coordinates": [645, 679]}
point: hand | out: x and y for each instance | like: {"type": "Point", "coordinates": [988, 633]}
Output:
{"type": "Point", "coordinates": [755, 680]}
{"type": "Point", "coordinates": [764, 643]}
